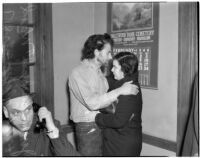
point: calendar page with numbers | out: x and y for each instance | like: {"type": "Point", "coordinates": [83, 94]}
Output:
{"type": "Point", "coordinates": [134, 28]}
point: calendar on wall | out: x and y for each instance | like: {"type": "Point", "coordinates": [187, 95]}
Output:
{"type": "Point", "coordinates": [134, 28]}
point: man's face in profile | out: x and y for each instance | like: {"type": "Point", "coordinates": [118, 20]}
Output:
{"type": "Point", "coordinates": [20, 112]}
{"type": "Point", "coordinates": [105, 54]}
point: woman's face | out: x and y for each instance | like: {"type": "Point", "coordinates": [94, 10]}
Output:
{"type": "Point", "coordinates": [116, 69]}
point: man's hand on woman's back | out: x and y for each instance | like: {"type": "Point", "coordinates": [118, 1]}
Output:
{"type": "Point", "coordinates": [129, 89]}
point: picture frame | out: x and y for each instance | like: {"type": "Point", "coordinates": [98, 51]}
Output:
{"type": "Point", "coordinates": [134, 28]}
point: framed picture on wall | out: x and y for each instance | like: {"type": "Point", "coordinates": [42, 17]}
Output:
{"type": "Point", "coordinates": [134, 28]}
{"type": "Point", "coordinates": [131, 16]}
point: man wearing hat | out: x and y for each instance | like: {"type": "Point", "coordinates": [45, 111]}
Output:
{"type": "Point", "coordinates": [20, 137]}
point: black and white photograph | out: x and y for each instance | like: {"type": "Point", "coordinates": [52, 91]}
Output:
{"type": "Point", "coordinates": [100, 79]}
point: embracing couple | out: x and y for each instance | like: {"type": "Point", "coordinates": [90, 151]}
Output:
{"type": "Point", "coordinates": [115, 132]}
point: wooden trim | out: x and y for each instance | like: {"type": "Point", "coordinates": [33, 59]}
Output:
{"type": "Point", "coordinates": [18, 24]}
{"type": "Point", "coordinates": [22, 63]}
{"type": "Point", "coordinates": [67, 128]}
{"type": "Point", "coordinates": [187, 65]}
{"type": "Point", "coordinates": [31, 63]}
{"type": "Point", "coordinates": [159, 142]}
{"type": "Point", "coordinates": [44, 57]}
{"type": "Point", "coordinates": [152, 140]}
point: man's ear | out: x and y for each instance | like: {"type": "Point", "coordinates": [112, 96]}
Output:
{"type": "Point", "coordinates": [96, 53]}
{"type": "Point", "coordinates": [5, 111]}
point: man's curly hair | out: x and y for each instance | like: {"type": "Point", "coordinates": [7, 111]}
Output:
{"type": "Point", "coordinates": [93, 42]}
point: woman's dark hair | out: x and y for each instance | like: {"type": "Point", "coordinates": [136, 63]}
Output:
{"type": "Point", "coordinates": [128, 62]}
{"type": "Point", "coordinates": [95, 42]}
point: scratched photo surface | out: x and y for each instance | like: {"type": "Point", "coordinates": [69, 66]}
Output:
{"type": "Point", "coordinates": [18, 40]}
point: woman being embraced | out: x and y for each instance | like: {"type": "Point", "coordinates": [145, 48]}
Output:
{"type": "Point", "coordinates": [122, 130]}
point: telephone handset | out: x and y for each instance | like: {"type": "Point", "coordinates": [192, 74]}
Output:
{"type": "Point", "coordinates": [39, 125]}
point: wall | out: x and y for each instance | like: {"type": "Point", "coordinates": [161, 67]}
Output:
{"type": "Point", "coordinates": [72, 24]}
{"type": "Point", "coordinates": [100, 18]}
{"type": "Point", "coordinates": [159, 106]}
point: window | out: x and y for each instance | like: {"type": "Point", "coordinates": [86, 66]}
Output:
{"type": "Point", "coordinates": [18, 44]}
{"type": "Point", "coordinates": [27, 48]}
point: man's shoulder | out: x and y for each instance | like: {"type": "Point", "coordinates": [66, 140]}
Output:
{"type": "Point", "coordinates": [79, 70]}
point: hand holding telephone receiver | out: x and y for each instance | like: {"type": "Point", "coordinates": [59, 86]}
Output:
{"type": "Point", "coordinates": [39, 125]}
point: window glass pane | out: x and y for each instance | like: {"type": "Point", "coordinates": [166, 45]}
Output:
{"type": "Point", "coordinates": [32, 79]}
{"type": "Point", "coordinates": [19, 52]}
{"type": "Point", "coordinates": [18, 13]}
{"type": "Point", "coordinates": [18, 44]}
{"type": "Point", "coordinates": [31, 45]}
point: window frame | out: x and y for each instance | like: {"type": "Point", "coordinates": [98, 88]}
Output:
{"type": "Point", "coordinates": [43, 65]}
{"type": "Point", "coordinates": [44, 78]}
